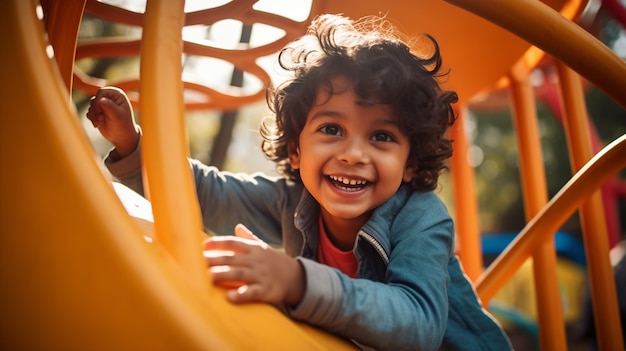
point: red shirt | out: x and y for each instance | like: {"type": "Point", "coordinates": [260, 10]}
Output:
{"type": "Point", "coordinates": [330, 255]}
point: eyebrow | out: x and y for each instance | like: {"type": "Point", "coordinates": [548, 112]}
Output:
{"type": "Point", "coordinates": [331, 113]}
{"type": "Point", "coordinates": [323, 113]}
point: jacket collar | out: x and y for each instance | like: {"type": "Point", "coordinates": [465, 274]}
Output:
{"type": "Point", "coordinates": [375, 231]}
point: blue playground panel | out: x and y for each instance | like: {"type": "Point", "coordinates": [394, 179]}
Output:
{"type": "Point", "coordinates": [566, 245]}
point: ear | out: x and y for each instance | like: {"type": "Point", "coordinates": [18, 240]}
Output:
{"type": "Point", "coordinates": [409, 172]}
{"type": "Point", "coordinates": [294, 156]}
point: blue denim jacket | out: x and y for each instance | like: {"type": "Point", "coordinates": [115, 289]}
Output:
{"type": "Point", "coordinates": [410, 294]}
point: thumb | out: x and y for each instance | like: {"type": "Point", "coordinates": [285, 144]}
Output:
{"type": "Point", "coordinates": [109, 107]}
{"type": "Point", "coordinates": [242, 232]}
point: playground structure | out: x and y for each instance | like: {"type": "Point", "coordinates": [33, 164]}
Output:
{"type": "Point", "coordinates": [75, 268]}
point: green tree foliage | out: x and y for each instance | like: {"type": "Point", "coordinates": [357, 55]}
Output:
{"type": "Point", "coordinates": [497, 175]}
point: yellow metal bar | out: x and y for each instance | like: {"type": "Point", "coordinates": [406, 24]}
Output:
{"type": "Point", "coordinates": [178, 224]}
{"type": "Point", "coordinates": [602, 166]}
{"type": "Point", "coordinates": [75, 269]}
{"type": "Point", "coordinates": [466, 208]}
{"type": "Point", "coordinates": [595, 234]}
{"type": "Point", "coordinates": [549, 311]}
{"type": "Point", "coordinates": [547, 29]}
{"type": "Point", "coordinates": [71, 259]}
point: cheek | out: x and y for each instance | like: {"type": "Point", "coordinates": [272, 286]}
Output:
{"type": "Point", "coordinates": [391, 170]}
{"type": "Point", "coordinates": [311, 166]}
{"type": "Point", "coordinates": [396, 168]}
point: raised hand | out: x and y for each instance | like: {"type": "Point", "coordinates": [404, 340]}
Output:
{"type": "Point", "coordinates": [252, 270]}
{"type": "Point", "coordinates": [110, 111]}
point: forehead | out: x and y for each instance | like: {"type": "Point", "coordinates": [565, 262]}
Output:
{"type": "Point", "coordinates": [341, 85]}
{"type": "Point", "coordinates": [340, 100]}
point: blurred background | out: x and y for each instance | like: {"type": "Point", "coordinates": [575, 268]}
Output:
{"type": "Point", "coordinates": [230, 141]}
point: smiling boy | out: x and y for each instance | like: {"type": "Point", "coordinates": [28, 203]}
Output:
{"type": "Point", "coordinates": [359, 139]}
{"type": "Point", "coordinates": [352, 157]}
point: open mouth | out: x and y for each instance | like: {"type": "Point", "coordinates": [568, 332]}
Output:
{"type": "Point", "coordinates": [347, 184]}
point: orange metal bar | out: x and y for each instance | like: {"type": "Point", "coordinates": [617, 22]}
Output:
{"type": "Point", "coordinates": [62, 19]}
{"type": "Point", "coordinates": [550, 314]}
{"type": "Point", "coordinates": [595, 234]}
{"type": "Point", "coordinates": [605, 164]}
{"type": "Point", "coordinates": [547, 29]}
{"type": "Point", "coordinates": [178, 224]}
{"type": "Point", "coordinates": [466, 208]}
{"type": "Point", "coordinates": [113, 13]}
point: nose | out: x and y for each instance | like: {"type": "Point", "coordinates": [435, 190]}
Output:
{"type": "Point", "coordinates": [354, 151]}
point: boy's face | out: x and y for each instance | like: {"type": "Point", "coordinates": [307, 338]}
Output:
{"type": "Point", "coordinates": [352, 156]}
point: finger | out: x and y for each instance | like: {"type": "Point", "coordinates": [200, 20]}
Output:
{"type": "Point", "coordinates": [214, 253]}
{"type": "Point", "coordinates": [227, 276]}
{"type": "Point", "coordinates": [95, 122]}
{"type": "Point", "coordinates": [108, 106]}
{"type": "Point", "coordinates": [218, 243]}
{"type": "Point", "coordinates": [208, 243]}
{"type": "Point", "coordinates": [242, 231]}
{"type": "Point", "coordinates": [220, 258]}
{"type": "Point", "coordinates": [109, 92]}
{"type": "Point", "coordinates": [94, 108]}
{"type": "Point", "coordinates": [243, 294]}
{"type": "Point", "coordinates": [94, 117]}
{"type": "Point", "coordinates": [115, 95]}
{"type": "Point", "coordinates": [229, 243]}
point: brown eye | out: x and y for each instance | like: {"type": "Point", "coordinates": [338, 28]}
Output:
{"type": "Point", "coordinates": [330, 129]}
{"type": "Point", "coordinates": [383, 137]}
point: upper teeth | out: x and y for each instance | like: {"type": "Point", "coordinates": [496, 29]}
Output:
{"type": "Point", "coordinates": [348, 181]}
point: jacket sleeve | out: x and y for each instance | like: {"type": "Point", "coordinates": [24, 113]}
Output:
{"type": "Point", "coordinates": [258, 201]}
{"type": "Point", "coordinates": [262, 203]}
{"type": "Point", "coordinates": [407, 310]}
{"type": "Point", "coordinates": [126, 170]}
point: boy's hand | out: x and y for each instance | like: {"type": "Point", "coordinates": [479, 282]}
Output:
{"type": "Point", "coordinates": [110, 111]}
{"type": "Point", "coordinates": [262, 273]}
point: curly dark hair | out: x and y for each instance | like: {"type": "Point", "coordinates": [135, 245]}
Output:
{"type": "Point", "coordinates": [382, 69]}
